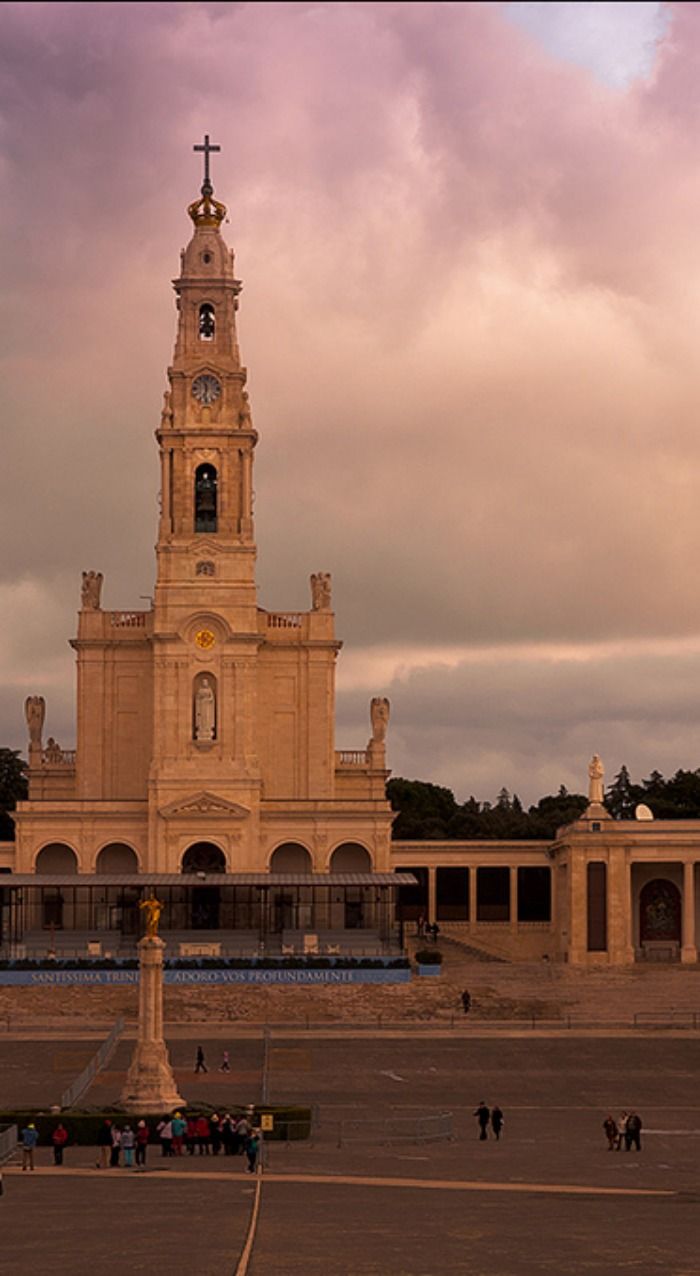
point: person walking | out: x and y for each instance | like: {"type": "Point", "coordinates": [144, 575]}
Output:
{"type": "Point", "coordinates": [483, 1116]}
{"type": "Point", "coordinates": [610, 1128]}
{"type": "Point", "coordinates": [116, 1147]}
{"type": "Point", "coordinates": [142, 1136]}
{"type": "Point", "coordinates": [200, 1065]}
{"type": "Point", "coordinates": [634, 1131]}
{"type": "Point", "coordinates": [30, 1138]}
{"type": "Point", "coordinates": [497, 1120]}
{"type": "Point", "coordinates": [225, 1062]}
{"type": "Point", "coordinates": [128, 1143]}
{"type": "Point", "coordinates": [59, 1138]}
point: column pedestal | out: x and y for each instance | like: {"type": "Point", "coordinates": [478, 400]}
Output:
{"type": "Point", "coordinates": [150, 1084]}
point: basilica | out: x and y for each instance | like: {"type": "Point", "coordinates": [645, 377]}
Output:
{"type": "Point", "coordinates": [205, 765]}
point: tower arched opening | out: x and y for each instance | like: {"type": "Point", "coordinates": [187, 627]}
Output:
{"type": "Point", "coordinates": [206, 498]}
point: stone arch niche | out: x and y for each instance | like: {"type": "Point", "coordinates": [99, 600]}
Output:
{"type": "Point", "coordinates": [350, 857]}
{"type": "Point", "coordinates": [660, 912]}
{"type": "Point", "coordinates": [56, 858]}
{"type": "Point", "coordinates": [291, 857]}
{"type": "Point", "coordinates": [204, 857]}
{"type": "Point", "coordinates": [206, 498]}
{"type": "Point", "coordinates": [117, 857]}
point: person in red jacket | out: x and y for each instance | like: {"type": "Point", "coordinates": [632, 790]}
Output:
{"type": "Point", "coordinates": [59, 1138]}
{"type": "Point", "coordinates": [143, 1134]}
{"type": "Point", "coordinates": [203, 1135]}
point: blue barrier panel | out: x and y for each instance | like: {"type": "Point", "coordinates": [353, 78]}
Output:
{"type": "Point", "coordinates": [249, 976]}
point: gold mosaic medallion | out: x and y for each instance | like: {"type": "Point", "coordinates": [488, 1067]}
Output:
{"type": "Point", "coordinates": [205, 639]}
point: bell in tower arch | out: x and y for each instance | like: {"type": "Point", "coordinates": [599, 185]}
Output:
{"type": "Point", "coordinates": [205, 498]}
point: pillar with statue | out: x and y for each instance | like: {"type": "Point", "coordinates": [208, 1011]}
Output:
{"type": "Point", "coordinates": [150, 1083]}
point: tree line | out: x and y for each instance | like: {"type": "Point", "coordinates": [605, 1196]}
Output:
{"type": "Point", "coordinates": [431, 812]}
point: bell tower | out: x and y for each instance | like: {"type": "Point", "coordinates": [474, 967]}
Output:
{"type": "Point", "coordinates": [206, 544]}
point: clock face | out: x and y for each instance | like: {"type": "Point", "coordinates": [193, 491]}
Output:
{"type": "Point", "coordinates": [206, 389]}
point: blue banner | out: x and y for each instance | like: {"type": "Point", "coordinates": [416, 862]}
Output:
{"type": "Point", "coordinates": [252, 975]}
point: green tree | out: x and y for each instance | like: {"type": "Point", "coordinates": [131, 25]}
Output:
{"type": "Point", "coordinates": [623, 796]}
{"type": "Point", "coordinates": [13, 789]}
{"type": "Point", "coordinates": [424, 810]}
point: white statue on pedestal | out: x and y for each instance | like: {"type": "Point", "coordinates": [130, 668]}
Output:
{"type": "Point", "coordinates": [596, 775]}
{"type": "Point", "coordinates": [204, 711]}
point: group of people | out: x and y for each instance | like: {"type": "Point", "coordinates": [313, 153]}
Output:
{"type": "Point", "coordinates": [426, 929]}
{"type": "Point", "coordinates": [627, 1130]}
{"type": "Point", "coordinates": [177, 1134]}
{"type": "Point", "coordinates": [489, 1116]}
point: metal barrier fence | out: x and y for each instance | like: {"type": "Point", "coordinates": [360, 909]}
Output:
{"type": "Point", "coordinates": [424, 1129]}
{"type": "Point", "coordinates": [98, 1061]}
{"type": "Point", "coordinates": [8, 1142]}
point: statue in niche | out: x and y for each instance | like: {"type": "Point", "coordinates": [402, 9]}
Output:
{"type": "Point", "coordinates": [35, 712]}
{"type": "Point", "coordinates": [379, 710]}
{"type": "Point", "coordinates": [90, 591]}
{"type": "Point", "coordinates": [321, 591]}
{"type": "Point", "coordinates": [596, 775]}
{"type": "Point", "coordinates": [204, 712]}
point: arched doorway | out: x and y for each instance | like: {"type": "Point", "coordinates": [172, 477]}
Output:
{"type": "Point", "coordinates": [118, 906]}
{"type": "Point", "coordinates": [59, 859]}
{"type": "Point", "coordinates": [292, 905]}
{"type": "Point", "coordinates": [204, 858]}
{"type": "Point", "coordinates": [660, 912]}
{"type": "Point", "coordinates": [350, 857]}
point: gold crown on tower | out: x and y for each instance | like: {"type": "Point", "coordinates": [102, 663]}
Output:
{"type": "Point", "coordinates": [207, 211]}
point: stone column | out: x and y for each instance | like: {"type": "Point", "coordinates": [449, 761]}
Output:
{"type": "Point", "coordinates": [472, 896]}
{"type": "Point", "coordinates": [150, 1084]}
{"type": "Point", "coordinates": [689, 952]}
{"type": "Point", "coordinates": [620, 947]}
{"type": "Point", "coordinates": [513, 897]}
{"type": "Point", "coordinates": [578, 909]}
{"type": "Point", "coordinates": [432, 908]}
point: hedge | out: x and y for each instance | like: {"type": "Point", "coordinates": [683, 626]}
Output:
{"type": "Point", "coordinates": [429, 957]}
{"type": "Point", "coordinates": [289, 1122]}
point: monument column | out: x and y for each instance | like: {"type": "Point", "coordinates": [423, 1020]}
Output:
{"type": "Point", "coordinates": [689, 952]}
{"type": "Point", "coordinates": [150, 1084]}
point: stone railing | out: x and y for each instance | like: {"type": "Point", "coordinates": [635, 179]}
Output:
{"type": "Point", "coordinates": [351, 757]}
{"type": "Point", "coordinates": [127, 619]}
{"type": "Point", "coordinates": [285, 619]}
{"type": "Point", "coordinates": [58, 757]}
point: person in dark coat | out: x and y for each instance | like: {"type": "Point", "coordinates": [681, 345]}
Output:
{"type": "Point", "coordinates": [610, 1127]}
{"type": "Point", "coordinates": [633, 1133]}
{"type": "Point", "coordinates": [483, 1116]}
{"type": "Point", "coordinates": [497, 1119]}
{"type": "Point", "coordinates": [466, 1002]}
{"type": "Point", "coordinates": [200, 1065]}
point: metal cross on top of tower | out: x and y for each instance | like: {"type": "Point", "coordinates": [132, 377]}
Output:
{"type": "Point", "coordinates": [207, 148]}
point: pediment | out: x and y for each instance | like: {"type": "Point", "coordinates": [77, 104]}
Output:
{"type": "Point", "coordinates": [204, 547]}
{"type": "Point", "coordinates": [204, 803]}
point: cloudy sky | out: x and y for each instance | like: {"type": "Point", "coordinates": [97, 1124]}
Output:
{"type": "Point", "coordinates": [469, 236]}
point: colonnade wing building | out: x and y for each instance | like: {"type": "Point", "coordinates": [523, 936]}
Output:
{"type": "Point", "coordinates": [206, 766]}
{"type": "Point", "coordinates": [205, 725]}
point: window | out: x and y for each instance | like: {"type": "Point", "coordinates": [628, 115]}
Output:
{"type": "Point", "coordinates": [205, 498]}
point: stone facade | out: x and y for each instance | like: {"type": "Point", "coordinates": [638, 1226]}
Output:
{"type": "Point", "coordinates": [206, 719]}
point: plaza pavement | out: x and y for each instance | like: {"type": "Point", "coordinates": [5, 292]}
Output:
{"type": "Point", "coordinates": [548, 1198]}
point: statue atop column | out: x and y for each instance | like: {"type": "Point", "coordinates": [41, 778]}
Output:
{"type": "Point", "coordinates": [321, 591]}
{"type": "Point", "coordinates": [153, 909]}
{"type": "Point", "coordinates": [204, 712]}
{"type": "Point", "coordinates": [90, 591]}
{"type": "Point", "coordinates": [35, 712]}
{"type": "Point", "coordinates": [596, 775]}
